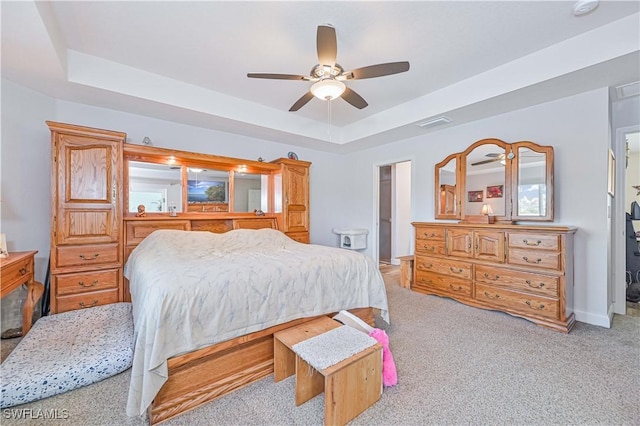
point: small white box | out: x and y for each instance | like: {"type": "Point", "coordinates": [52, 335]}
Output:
{"type": "Point", "coordinates": [352, 238]}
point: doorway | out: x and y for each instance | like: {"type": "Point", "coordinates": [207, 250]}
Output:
{"type": "Point", "coordinates": [385, 207]}
{"type": "Point", "coordinates": [393, 212]}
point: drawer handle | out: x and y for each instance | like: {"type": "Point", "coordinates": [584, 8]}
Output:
{"type": "Point", "coordinates": [426, 247]}
{"type": "Point", "coordinates": [495, 278]}
{"type": "Point", "coordinates": [537, 308]}
{"type": "Point", "coordinates": [459, 288]}
{"type": "Point", "coordinates": [83, 306]}
{"type": "Point", "coordinates": [429, 235]}
{"type": "Point", "coordinates": [23, 271]}
{"type": "Point", "coordinates": [425, 266]}
{"type": "Point", "coordinates": [456, 271]}
{"type": "Point", "coordinates": [95, 256]}
{"type": "Point", "coordinates": [426, 282]}
{"type": "Point", "coordinates": [537, 243]}
{"type": "Point", "coordinates": [526, 259]}
{"type": "Point", "coordinates": [534, 286]}
{"type": "Point", "coordinates": [82, 284]}
{"type": "Point", "coordinates": [497, 296]}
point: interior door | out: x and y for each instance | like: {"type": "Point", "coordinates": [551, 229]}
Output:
{"type": "Point", "coordinates": [385, 206]}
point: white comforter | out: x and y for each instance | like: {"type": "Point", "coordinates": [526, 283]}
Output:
{"type": "Point", "coordinates": [192, 289]}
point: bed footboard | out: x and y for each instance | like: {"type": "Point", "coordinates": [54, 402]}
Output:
{"type": "Point", "coordinates": [214, 371]}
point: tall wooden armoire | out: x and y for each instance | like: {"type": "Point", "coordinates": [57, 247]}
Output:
{"type": "Point", "coordinates": [86, 222]}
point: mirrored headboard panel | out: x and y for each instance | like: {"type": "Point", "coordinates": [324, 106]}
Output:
{"type": "Point", "coordinates": [159, 179]}
{"type": "Point", "coordinates": [155, 186]}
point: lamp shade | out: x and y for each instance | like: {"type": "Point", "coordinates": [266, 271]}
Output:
{"type": "Point", "coordinates": [328, 89]}
{"type": "Point", "coordinates": [486, 209]}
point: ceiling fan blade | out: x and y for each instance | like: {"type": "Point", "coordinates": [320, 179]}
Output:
{"type": "Point", "coordinates": [276, 76]}
{"type": "Point", "coordinates": [493, 160]}
{"type": "Point", "coordinates": [377, 70]}
{"type": "Point", "coordinates": [302, 101]}
{"type": "Point", "coordinates": [354, 99]}
{"type": "Point", "coordinates": [494, 154]}
{"type": "Point", "coordinates": [327, 45]}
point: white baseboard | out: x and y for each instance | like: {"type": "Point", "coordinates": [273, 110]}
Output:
{"type": "Point", "coordinates": [599, 320]}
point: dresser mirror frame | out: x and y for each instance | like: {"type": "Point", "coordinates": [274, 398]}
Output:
{"type": "Point", "coordinates": [195, 166]}
{"type": "Point", "coordinates": [524, 168]}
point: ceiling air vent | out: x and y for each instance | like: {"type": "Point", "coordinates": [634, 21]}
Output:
{"type": "Point", "coordinates": [434, 122]}
{"type": "Point", "coordinates": [626, 90]}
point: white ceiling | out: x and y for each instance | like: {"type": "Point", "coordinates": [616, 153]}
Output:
{"type": "Point", "coordinates": [187, 61]}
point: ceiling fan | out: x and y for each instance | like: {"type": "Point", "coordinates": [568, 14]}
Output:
{"type": "Point", "coordinates": [328, 76]}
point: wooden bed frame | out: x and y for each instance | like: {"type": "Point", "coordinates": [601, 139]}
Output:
{"type": "Point", "coordinates": [206, 374]}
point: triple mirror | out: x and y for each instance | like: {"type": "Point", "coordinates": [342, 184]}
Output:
{"type": "Point", "coordinates": [497, 180]}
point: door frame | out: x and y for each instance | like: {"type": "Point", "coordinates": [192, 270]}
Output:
{"type": "Point", "coordinates": [618, 209]}
{"type": "Point", "coordinates": [375, 237]}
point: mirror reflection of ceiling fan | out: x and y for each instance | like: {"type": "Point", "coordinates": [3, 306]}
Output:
{"type": "Point", "coordinates": [328, 76]}
{"type": "Point", "coordinates": [493, 158]}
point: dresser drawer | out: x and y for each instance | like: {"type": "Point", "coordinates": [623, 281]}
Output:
{"type": "Point", "coordinates": [138, 230]}
{"type": "Point", "coordinates": [527, 304]}
{"type": "Point", "coordinates": [18, 273]}
{"type": "Point", "coordinates": [86, 282]}
{"type": "Point", "coordinates": [87, 255]}
{"type": "Point", "coordinates": [545, 285]}
{"type": "Point", "coordinates": [454, 268]}
{"type": "Point", "coordinates": [429, 233]}
{"type": "Point", "coordinates": [534, 241]}
{"type": "Point", "coordinates": [535, 258]}
{"type": "Point", "coordinates": [443, 284]}
{"type": "Point", "coordinates": [86, 300]}
{"type": "Point", "coordinates": [430, 247]}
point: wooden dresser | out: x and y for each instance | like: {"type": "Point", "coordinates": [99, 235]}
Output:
{"type": "Point", "coordinates": [525, 271]}
{"type": "Point", "coordinates": [86, 207]}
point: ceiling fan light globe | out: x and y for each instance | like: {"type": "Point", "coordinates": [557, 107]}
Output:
{"type": "Point", "coordinates": [328, 89]}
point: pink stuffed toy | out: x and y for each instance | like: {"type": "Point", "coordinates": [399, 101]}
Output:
{"type": "Point", "coordinates": [389, 373]}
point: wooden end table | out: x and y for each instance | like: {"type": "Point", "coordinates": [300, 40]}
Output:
{"type": "Point", "coordinates": [17, 269]}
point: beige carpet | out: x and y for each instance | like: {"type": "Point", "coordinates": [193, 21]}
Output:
{"type": "Point", "coordinates": [456, 365]}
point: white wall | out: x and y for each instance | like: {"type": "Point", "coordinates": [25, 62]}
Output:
{"type": "Point", "coordinates": [401, 220]}
{"type": "Point", "coordinates": [25, 175]}
{"type": "Point", "coordinates": [578, 129]}
{"type": "Point", "coordinates": [341, 185]}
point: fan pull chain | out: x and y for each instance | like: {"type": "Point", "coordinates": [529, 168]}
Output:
{"type": "Point", "coordinates": [329, 118]}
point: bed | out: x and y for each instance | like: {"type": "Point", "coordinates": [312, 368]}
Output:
{"type": "Point", "coordinates": [198, 294]}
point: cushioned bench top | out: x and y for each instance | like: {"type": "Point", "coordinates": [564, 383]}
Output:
{"type": "Point", "coordinates": [67, 351]}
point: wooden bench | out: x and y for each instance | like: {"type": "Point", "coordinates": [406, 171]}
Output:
{"type": "Point", "coordinates": [351, 386]}
{"type": "Point", "coordinates": [406, 271]}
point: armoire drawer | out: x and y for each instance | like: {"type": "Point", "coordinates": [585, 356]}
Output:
{"type": "Point", "coordinates": [546, 285]}
{"type": "Point", "coordinates": [83, 282]}
{"type": "Point", "coordinates": [528, 304]}
{"type": "Point", "coordinates": [442, 284]}
{"type": "Point", "coordinates": [454, 268]}
{"type": "Point", "coordinates": [301, 237]}
{"type": "Point", "coordinates": [87, 255]}
{"type": "Point", "coordinates": [86, 300]}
